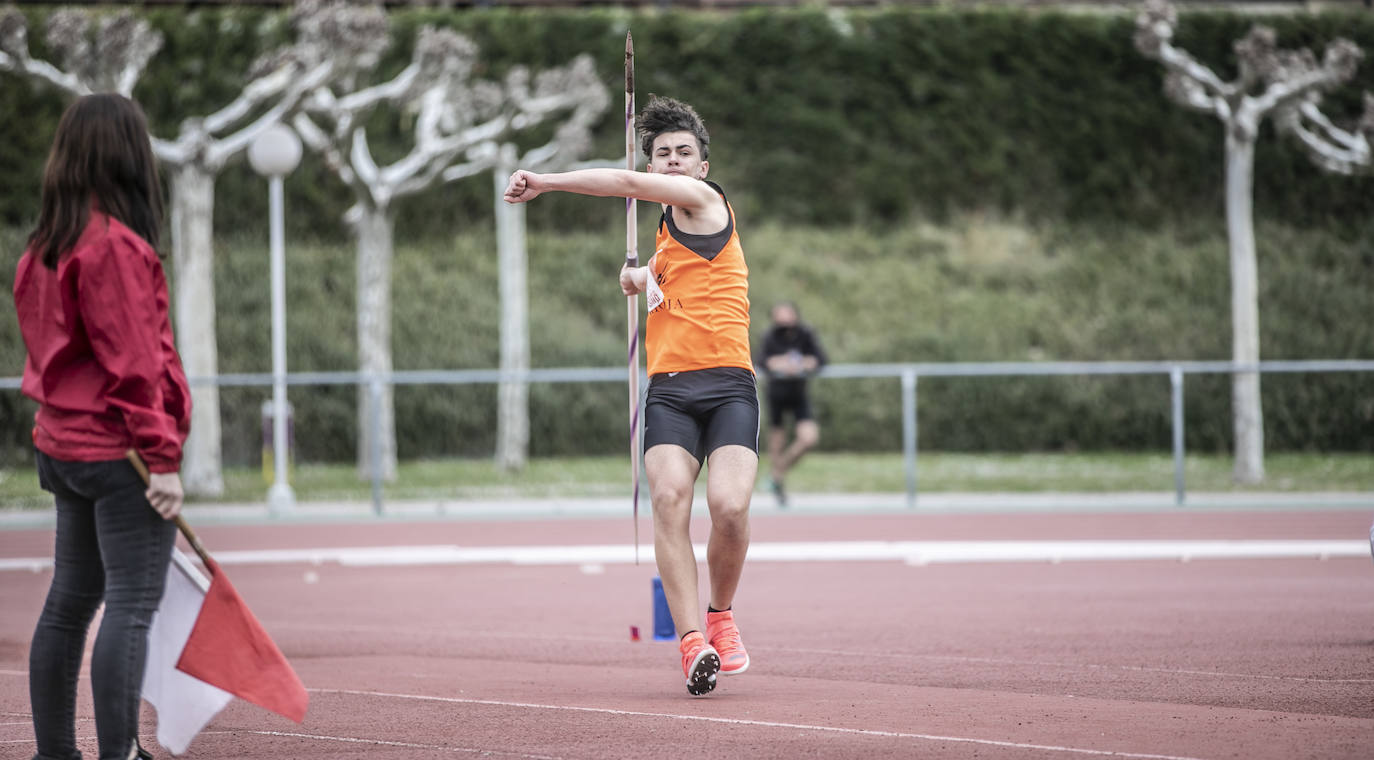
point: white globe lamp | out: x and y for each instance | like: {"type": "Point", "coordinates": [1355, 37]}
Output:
{"type": "Point", "coordinates": [274, 154]}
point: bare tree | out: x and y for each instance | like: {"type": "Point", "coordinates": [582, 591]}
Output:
{"type": "Point", "coordinates": [104, 55]}
{"type": "Point", "coordinates": [512, 396]}
{"type": "Point", "coordinates": [1333, 148]}
{"type": "Point", "coordinates": [1287, 84]}
{"type": "Point", "coordinates": [107, 53]}
{"type": "Point", "coordinates": [457, 122]}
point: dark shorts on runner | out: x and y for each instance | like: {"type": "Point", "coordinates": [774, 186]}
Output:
{"type": "Point", "coordinates": [702, 410]}
{"type": "Point", "coordinates": [784, 397]}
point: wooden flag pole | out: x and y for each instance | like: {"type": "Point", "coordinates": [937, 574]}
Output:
{"type": "Point", "coordinates": [632, 260]}
{"type": "Point", "coordinates": [137, 462]}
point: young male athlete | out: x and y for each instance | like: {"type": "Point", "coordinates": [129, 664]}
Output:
{"type": "Point", "coordinates": [702, 403]}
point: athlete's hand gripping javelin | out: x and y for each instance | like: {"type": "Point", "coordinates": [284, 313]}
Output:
{"type": "Point", "coordinates": [634, 280]}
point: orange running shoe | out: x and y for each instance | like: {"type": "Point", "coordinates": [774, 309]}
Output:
{"type": "Point", "coordinates": [700, 663]}
{"type": "Point", "coordinates": [724, 636]}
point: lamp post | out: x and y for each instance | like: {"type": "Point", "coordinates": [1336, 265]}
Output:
{"type": "Point", "coordinates": [274, 154]}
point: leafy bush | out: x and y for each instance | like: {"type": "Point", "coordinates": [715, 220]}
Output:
{"type": "Point", "coordinates": [977, 289]}
{"type": "Point", "coordinates": [930, 184]}
{"type": "Point", "coordinates": [818, 116]}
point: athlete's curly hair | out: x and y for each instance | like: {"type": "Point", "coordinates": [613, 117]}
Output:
{"type": "Point", "coordinates": [669, 115]}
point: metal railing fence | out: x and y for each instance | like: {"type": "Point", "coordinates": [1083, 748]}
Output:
{"type": "Point", "coordinates": [908, 374]}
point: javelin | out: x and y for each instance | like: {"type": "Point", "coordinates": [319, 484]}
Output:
{"type": "Point", "coordinates": [632, 260]}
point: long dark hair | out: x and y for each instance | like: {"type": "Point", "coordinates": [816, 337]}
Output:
{"type": "Point", "coordinates": [102, 155]}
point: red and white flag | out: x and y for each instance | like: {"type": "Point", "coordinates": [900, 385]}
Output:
{"type": "Point", "coordinates": [205, 647]}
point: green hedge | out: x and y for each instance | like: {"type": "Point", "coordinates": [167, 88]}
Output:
{"type": "Point", "coordinates": [977, 289]}
{"type": "Point", "coordinates": [1006, 186]}
{"type": "Point", "coordinates": [818, 116]}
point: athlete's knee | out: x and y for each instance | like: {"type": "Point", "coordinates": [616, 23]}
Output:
{"type": "Point", "coordinates": [808, 434]}
{"type": "Point", "coordinates": [730, 513]}
{"type": "Point", "coordinates": [671, 498]}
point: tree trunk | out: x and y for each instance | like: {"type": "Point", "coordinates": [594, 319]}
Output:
{"type": "Point", "coordinates": [193, 263]}
{"type": "Point", "coordinates": [1240, 230]}
{"type": "Point", "coordinates": [375, 230]}
{"type": "Point", "coordinates": [512, 416]}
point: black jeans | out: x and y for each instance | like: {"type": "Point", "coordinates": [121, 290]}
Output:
{"type": "Point", "coordinates": [111, 546]}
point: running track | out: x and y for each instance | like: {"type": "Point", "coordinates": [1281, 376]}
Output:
{"type": "Point", "coordinates": [464, 654]}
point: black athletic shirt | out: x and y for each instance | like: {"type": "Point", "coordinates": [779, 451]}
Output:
{"type": "Point", "coordinates": [781, 340]}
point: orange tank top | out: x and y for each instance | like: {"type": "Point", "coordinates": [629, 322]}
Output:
{"type": "Point", "coordinates": [703, 322]}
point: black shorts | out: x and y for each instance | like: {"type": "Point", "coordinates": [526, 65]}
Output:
{"type": "Point", "coordinates": [702, 410]}
{"type": "Point", "coordinates": [784, 397]}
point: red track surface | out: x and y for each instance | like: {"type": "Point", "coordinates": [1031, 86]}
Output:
{"type": "Point", "coordinates": [1206, 659]}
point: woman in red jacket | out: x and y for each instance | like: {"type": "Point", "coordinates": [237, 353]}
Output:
{"type": "Point", "coordinates": [92, 303]}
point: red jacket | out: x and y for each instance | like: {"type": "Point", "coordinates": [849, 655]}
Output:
{"type": "Point", "coordinates": [101, 360]}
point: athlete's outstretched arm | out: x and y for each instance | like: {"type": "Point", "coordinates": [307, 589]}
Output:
{"type": "Point", "coordinates": [674, 190]}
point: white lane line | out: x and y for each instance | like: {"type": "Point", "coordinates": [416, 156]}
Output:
{"type": "Point", "coordinates": [349, 740]}
{"type": "Point", "coordinates": [761, 724]}
{"type": "Point", "coordinates": [386, 743]}
{"type": "Point", "coordinates": [911, 552]}
{"type": "Point", "coordinates": [1001, 662]}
